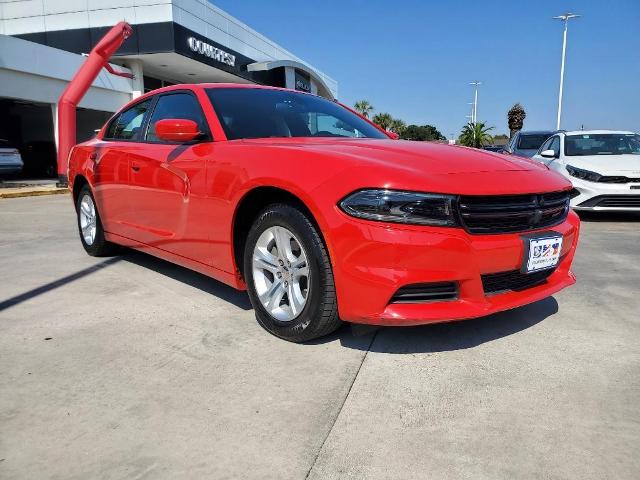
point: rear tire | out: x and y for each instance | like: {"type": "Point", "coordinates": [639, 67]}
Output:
{"type": "Point", "coordinates": [289, 276]}
{"type": "Point", "coordinates": [90, 226]}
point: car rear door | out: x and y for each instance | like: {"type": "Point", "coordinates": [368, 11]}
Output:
{"type": "Point", "coordinates": [167, 182]}
{"type": "Point", "coordinates": [111, 169]}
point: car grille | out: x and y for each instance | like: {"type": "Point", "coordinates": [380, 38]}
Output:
{"type": "Point", "coordinates": [512, 213]}
{"type": "Point", "coordinates": [619, 179]}
{"type": "Point", "coordinates": [513, 280]}
{"type": "Point", "coordinates": [426, 292]}
{"type": "Point", "coordinates": [613, 201]}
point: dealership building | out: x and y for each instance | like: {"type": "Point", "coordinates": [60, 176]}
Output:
{"type": "Point", "coordinates": [42, 43]}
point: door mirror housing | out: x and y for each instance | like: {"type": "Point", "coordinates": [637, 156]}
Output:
{"type": "Point", "coordinates": [177, 130]}
{"type": "Point", "coordinates": [548, 154]}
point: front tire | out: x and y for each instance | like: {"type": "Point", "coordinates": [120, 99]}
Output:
{"type": "Point", "coordinates": [90, 226]}
{"type": "Point", "coordinates": [289, 275]}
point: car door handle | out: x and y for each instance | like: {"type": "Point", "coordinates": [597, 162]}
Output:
{"type": "Point", "coordinates": [135, 167]}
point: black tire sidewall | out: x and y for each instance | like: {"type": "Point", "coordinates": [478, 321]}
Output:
{"type": "Point", "coordinates": [305, 325]}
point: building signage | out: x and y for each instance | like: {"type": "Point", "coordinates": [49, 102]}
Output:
{"type": "Point", "coordinates": [203, 48]}
{"type": "Point", "coordinates": [303, 82]}
{"type": "Point", "coordinates": [301, 85]}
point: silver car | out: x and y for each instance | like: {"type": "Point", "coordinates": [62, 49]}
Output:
{"type": "Point", "coordinates": [526, 144]}
{"type": "Point", "coordinates": [10, 159]}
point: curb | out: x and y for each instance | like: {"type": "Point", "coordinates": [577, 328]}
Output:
{"type": "Point", "coordinates": [33, 193]}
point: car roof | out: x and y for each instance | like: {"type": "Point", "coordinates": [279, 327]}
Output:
{"type": "Point", "coordinates": [200, 86]}
{"type": "Point", "coordinates": [537, 132]}
{"type": "Point", "coordinates": [596, 132]}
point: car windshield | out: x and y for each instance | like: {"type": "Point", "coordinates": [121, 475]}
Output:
{"type": "Point", "coordinates": [602, 144]}
{"type": "Point", "coordinates": [532, 141]}
{"type": "Point", "coordinates": [266, 113]}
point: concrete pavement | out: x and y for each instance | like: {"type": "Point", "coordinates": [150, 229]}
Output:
{"type": "Point", "coordinates": [131, 367]}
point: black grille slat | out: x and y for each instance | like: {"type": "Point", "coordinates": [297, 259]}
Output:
{"type": "Point", "coordinates": [426, 292]}
{"type": "Point", "coordinates": [512, 213]}
{"type": "Point", "coordinates": [613, 201]}
{"type": "Point", "coordinates": [618, 179]}
{"type": "Point", "coordinates": [513, 280]}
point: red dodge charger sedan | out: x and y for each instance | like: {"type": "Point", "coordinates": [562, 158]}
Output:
{"type": "Point", "coordinates": [318, 213]}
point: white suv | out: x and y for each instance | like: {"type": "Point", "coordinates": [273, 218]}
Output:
{"type": "Point", "coordinates": [603, 165]}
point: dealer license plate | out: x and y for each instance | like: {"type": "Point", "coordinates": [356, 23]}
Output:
{"type": "Point", "coordinates": [543, 253]}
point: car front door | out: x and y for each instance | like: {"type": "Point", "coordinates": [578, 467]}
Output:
{"type": "Point", "coordinates": [167, 183]}
{"type": "Point", "coordinates": [111, 169]}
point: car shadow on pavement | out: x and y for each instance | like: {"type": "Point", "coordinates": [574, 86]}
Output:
{"type": "Point", "coordinates": [609, 216]}
{"type": "Point", "coordinates": [189, 277]}
{"type": "Point", "coordinates": [61, 282]}
{"type": "Point", "coordinates": [442, 337]}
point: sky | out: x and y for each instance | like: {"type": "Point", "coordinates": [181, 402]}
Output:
{"type": "Point", "coordinates": [415, 59]}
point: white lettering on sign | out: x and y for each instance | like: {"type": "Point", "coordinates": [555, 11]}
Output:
{"type": "Point", "coordinates": [300, 85]}
{"type": "Point", "coordinates": [210, 51]}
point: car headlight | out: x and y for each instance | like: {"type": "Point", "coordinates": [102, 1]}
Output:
{"type": "Point", "coordinates": [587, 175]}
{"type": "Point", "coordinates": [397, 206]}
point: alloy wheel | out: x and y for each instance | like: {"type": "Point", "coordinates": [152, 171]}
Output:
{"type": "Point", "coordinates": [88, 219]}
{"type": "Point", "coordinates": [281, 273]}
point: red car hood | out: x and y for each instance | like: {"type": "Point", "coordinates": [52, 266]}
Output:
{"type": "Point", "coordinates": [422, 157]}
{"type": "Point", "coordinates": [420, 166]}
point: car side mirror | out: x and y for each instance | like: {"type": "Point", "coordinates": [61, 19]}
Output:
{"type": "Point", "coordinates": [393, 135]}
{"type": "Point", "coordinates": [177, 130]}
{"type": "Point", "coordinates": [548, 154]}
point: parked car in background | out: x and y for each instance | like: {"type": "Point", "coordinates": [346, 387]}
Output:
{"type": "Point", "coordinates": [10, 159]}
{"type": "Point", "coordinates": [603, 165]}
{"type": "Point", "coordinates": [320, 214]}
{"type": "Point", "coordinates": [494, 148]}
{"type": "Point", "coordinates": [526, 144]}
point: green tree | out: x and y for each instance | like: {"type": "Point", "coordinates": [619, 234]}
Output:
{"type": "Point", "coordinates": [422, 133]}
{"type": "Point", "coordinates": [397, 126]}
{"type": "Point", "coordinates": [515, 118]}
{"type": "Point", "coordinates": [363, 107]}
{"type": "Point", "coordinates": [383, 120]}
{"type": "Point", "coordinates": [475, 135]}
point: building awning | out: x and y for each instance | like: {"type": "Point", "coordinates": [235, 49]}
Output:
{"type": "Point", "coordinates": [323, 88]}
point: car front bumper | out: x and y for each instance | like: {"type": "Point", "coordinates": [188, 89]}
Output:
{"type": "Point", "coordinates": [372, 261]}
{"type": "Point", "coordinates": [609, 197]}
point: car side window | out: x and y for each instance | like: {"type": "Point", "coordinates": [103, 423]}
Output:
{"type": "Point", "coordinates": [128, 125]}
{"type": "Point", "coordinates": [176, 105]}
{"type": "Point", "coordinates": [512, 142]}
{"type": "Point", "coordinates": [555, 145]}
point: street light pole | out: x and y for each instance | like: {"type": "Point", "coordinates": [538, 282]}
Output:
{"type": "Point", "coordinates": [565, 18]}
{"type": "Point", "coordinates": [475, 101]}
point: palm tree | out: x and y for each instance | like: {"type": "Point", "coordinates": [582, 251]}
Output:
{"type": "Point", "coordinates": [363, 107]}
{"type": "Point", "coordinates": [383, 120]}
{"type": "Point", "coordinates": [515, 118]}
{"type": "Point", "coordinates": [397, 126]}
{"type": "Point", "coordinates": [475, 135]}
